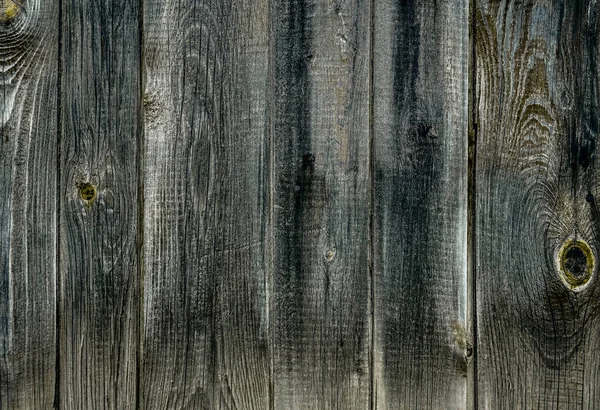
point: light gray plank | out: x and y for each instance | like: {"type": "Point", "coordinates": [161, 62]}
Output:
{"type": "Point", "coordinates": [206, 205]}
{"type": "Point", "coordinates": [100, 136]}
{"type": "Point", "coordinates": [421, 342]}
{"type": "Point", "coordinates": [28, 174]}
{"type": "Point", "coordinates": [537, 189]}
{"type": "Point", "coordinates": [321, 293]}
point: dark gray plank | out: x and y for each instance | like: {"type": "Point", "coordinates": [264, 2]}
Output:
{"type": "Point", "coordinates": [321, 292]}
{"type": "Point", "coordinates": [420, 204]}
{"type": "Point", "coordinates": [537, 189]}
{"type": "Point", "coordinates": [206, 191]}
{"type": "Point", "coordinates": [100, 136]}
{"type": "Point", "coordinates": [28, 175]}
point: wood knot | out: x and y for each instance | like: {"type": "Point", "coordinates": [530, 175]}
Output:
{"type": "Point", "coordinates": [308, 160]}
{"type": "Point", "coordinates": [576, 264]}
{"type": "Point", "coordinates": [87, 192]}
{"type": "Point", "coordinates": [589, 198]}
{"type": "Point", "coordinates": [329, 255]}
{"type": "Point", "coordinates": [426, 130]}
{"type": "Point", "coordinates": [9, 9]}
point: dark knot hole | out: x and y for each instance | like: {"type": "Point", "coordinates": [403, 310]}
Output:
{"type": "Point", "coordinates": [576, 262]}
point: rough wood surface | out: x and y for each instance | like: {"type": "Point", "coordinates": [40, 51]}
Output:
{"type": "Point", "coordinates": [420, 204]}
{"type": "Point", "coordinates": [206, 205]}
{"type": "Point", "coordinates": [100, 135]}
{"type": "Point", "coordinates": [537, 189]}
{"type": "Point", "coordinates": [28, 149]}
{"type": "Point", "coordinates": [321, 293]}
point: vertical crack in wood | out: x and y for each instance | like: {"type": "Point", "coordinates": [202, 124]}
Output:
{"type": "Point", "coordinates": [141, 148]}
{"type": "Point", "coordinates": [58, 278]}
{"type": "Point", "coordinates": [472, 401]}
{"type": "Point", "coordinates": [270, 249]}
{"type": "Point", "coordinates": [371, 252]}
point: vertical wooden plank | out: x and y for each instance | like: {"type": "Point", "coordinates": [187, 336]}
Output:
{"type": "Point", "coordinates": [100, 135]}
{"type": "Point", "coordinates": [321, 296]}
{"type": "Point", "coordinates": [420, 203]}
{"type": "Point", "coordinates": [206, 205]}
{"type": "Point", "coordinates": [537, 188]}
{"type": "Point", "coordinates": [28, 174]}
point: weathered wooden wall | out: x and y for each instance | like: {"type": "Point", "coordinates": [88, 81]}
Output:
{"type": "Point", "coordinates": [294, 204]}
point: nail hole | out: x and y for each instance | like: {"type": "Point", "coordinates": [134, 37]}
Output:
{"type": "Point", "coordinates": [87, 192]}
{"type": "Point", "coordinates": [576, 263]}
{"type": "Point", "coordinates": [589, 198]}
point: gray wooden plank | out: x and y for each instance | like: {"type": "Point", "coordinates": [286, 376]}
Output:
{"type": "Point", "coordinates": [537, 184]}
{"type": "Point", "coordinates": [321, 292]}
{"type": "Point", "coordinates": [28, 181]}
{"type": "Point", "coordinates": [421, 344]}
{"type": "Point", "coordinates": [99, 270]}
{"type": "Point", "coordinates": [206, 177]}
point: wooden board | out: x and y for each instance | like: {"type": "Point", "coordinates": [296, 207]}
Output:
{"type": "Point", "coordinates": [28, 186]}
{"type": "Point", "coordinates": [206, 178]}
{"type": "Point", "coordinates": [420, 123]}
{"type": "Point", "coordinates": [321, 292]}
{"type": "Point", "coordinates": [537, 190]}
{"type": "Point", "coordinates": [99, 269]}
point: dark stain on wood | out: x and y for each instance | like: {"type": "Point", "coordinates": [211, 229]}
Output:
{"type": "Point", "coordinates": [419, 197]}
{"type": "Point", "coordinates": [320, 117]}
{"type": "Point", "coordinates": [292, 55]}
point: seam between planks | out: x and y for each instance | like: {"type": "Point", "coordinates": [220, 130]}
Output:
{"type": "Point", "coordinates": [472, 193]}
{"type": "Point", "coordinates": [372, 389]}
{"type": "Point", "coordinates": [141, 146]}
{"type": "Point", "coordinates": [58, 277]}
{"type": "Point", "coordinates": [270, 251]}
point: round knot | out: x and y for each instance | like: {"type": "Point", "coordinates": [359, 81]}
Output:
{"type": "Point", "coordinates": [576, 263]}
{"type": "Point", "coordinates": [87, 192]}
{"type": "Point", "coordinates": [9, 9]}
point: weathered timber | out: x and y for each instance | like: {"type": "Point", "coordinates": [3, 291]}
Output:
{"type": "Point", "coordinates": [28, 185]}
{"type": "Point", "coordinates": [321, 286]}
{"type": "Point", "coordinates": [99, 271]}
{"type": "Point", "coordinates": [206, 212]}
{"type": "Point", "coordinates": [537, 218]}
{"type": "Point", "coordinates": [420, 106]}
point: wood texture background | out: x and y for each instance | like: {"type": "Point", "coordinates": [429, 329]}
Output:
{"type": "Point", "coordinates": [28, 204]}
{"type": "Point", "coordinates": [277, 204]}
{"type": "Point", "coordinates": [100, 134]}
{"type": "Point", "coordinates": [420, 204]}
{"type": "Point", "coordinates": [206, 213]}
{"type": "Point", "coordinates": [537, 128]}
{"type": "Point", "coordinates": [321, 296]}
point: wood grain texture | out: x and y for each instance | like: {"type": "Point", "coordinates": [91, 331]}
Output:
{"type": "Point", "coordinates": [537, 184]}
{"type": "Point", "coordinates": [100, 136]}
{"type": "Point", "coordinates": [420, 204]}
{"type": "Point", "coordinates": [321, 292]}
{"type": "Point", "coordinates": [206, 205]}
{"type": "Point", "coordinates": [28, 150]}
